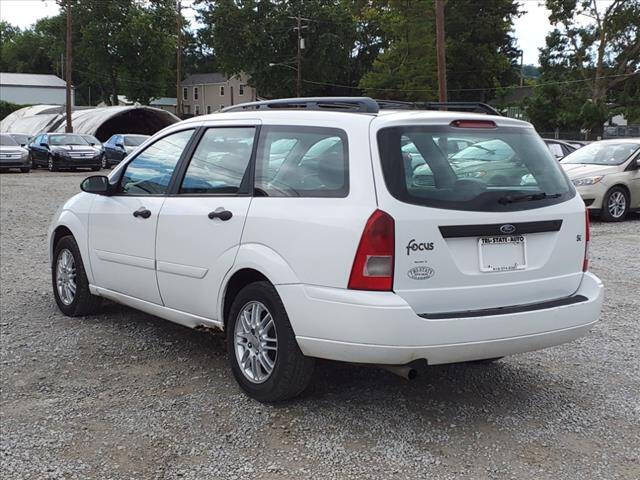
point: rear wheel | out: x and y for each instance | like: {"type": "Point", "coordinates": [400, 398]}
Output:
{"type": "Point", "coordinates": [263, 353]}
{"type": "Point", "coordinates": [70, 284]}
{"type": "Point", "coordinates": [615, 205]}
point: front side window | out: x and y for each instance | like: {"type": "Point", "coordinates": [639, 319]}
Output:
{"type": "Point", "coordinates": [605, 153]}
{"type": "Point", "coordinates": [499, 169]}
{"type": "Point", "coordinates": [302, 162]}
{"type": "Point", "coordinates": [149, 173]}
{"type": "Point", "coordinates": [219, 163]}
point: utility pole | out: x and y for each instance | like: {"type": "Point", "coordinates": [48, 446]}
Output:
{"type": "Point", "coordinates": [300, 46]}
{"type": "Point", "coordinates": [442, 64]}
{"type": "Point", "coordinates": [179, 59]}
{"type": "Point", "coordinates": [69, 128]}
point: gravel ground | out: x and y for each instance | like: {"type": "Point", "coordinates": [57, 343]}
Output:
{"type": "Point", "coordinates": [126, 395]}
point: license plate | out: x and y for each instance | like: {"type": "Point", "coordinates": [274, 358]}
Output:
{"type": "Point", "coordinates": [504, 253]}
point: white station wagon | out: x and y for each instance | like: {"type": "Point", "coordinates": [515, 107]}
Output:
{"type": "Point", "coordinates": [334, 228]}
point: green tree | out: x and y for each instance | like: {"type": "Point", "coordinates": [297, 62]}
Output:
{"type": "Point", "coordinates": [480, 50]}
{"type": "Point", "coordinates": [589, 71]}
{"type": "Point", "coordinates": [258, 37]}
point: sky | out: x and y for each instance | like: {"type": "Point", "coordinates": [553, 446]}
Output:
{"type": "Point", "coordinates": [530, 29]}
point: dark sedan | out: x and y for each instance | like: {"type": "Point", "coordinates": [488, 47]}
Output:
{"type": "Point", "coordinates": [119, 146]}
{"type": "Point", "coordinates": [63, 150]}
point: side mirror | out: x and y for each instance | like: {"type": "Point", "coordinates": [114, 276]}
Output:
{"type": "Point", "coordinates": [98, 184]}
{"type": "Point", "coordinates": [120, 145]}
{"type": "Point", "coordinates": [45, 145]}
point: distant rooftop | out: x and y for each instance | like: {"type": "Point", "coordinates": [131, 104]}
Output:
{"type": "Point", "coordinates": [31, 80]}
{"type": "Point", "coordinates": [204, 78]}
{"type": "Point", "coordinates": [163, 101]}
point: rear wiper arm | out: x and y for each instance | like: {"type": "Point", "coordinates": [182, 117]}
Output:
{"type": "Point", "coordinates": [527, 198]}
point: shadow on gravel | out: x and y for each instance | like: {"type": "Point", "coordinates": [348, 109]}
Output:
{"type": "Point", "coordinates": [505, 389]}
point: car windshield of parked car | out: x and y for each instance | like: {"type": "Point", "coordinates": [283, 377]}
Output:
{"type": "Point", "coordinates": [6, 141]}
{"type": "Point", "coordinates": [21, 139]}
{"type": "Point", "coordinates": [67, 140]}
{"type": "Point", "coordinates": [134, 140]}
{"type": "Point", "coordinates": [91, 139]}
{"type": "Point", "coordinates": [501, 169]}
{"type": "Point", "coordinates": [602, 153]}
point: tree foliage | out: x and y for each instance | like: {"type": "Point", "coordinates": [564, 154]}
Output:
{"type": "Point", "coordinates": [589, 65]}
{"type": "Point", "coordinates": [480, 49]}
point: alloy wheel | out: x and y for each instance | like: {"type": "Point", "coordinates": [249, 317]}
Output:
{"type": "Point", "coordinates": [617, 204]}
{"type": "Point", "coordinates": [256, 342]}
{"type": "Point", "coordinates": [66, 277]}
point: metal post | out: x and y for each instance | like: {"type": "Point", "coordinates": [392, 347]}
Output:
{"type": "Point", "coordinates": [69, 127]}
{"type": "Point", "coordinates": [440, 54]}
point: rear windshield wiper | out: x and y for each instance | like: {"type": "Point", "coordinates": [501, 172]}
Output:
{"type": "Point", "coordinates": [527, 198]}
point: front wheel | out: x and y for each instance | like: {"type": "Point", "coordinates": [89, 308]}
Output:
{"type": "Point", "coordinates": [615, 205]}
{"type": "Point", "coordinates": [70, 283]}
{"type": "Point", "coordinates": [51, 164]}
{"type": "Point", "coordinates": [263, 353]}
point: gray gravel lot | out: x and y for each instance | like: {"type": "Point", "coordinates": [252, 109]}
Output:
{"type": "Point", "coordinates": [126, 395]}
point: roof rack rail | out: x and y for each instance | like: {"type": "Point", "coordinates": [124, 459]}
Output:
{"type": "Point", "coordinates": [348, 104]}
{"type": "Point", "coordinates": [476, 107]}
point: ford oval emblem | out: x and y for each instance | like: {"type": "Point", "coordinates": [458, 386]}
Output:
{"type": "Point", "coordinates": [421, 273]}
{"type": "Point", "coordinates": [507, 229]}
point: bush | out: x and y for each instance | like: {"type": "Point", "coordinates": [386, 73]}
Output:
{"type": "Point", "coordinates": [7, 107]}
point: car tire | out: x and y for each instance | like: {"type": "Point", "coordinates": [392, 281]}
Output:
{"type": "Point", "coordinates": [290, 370]}
{"type": "Point", "coordinates": [25, 169]}
{"type": "Point", "coordinates": [615, 205]}
{"type": "Point", "coordinates": [68, 273]}
{"type": "Point", "coordinates": [51, 164]}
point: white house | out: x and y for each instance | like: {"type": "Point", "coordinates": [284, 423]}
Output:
{"type": "Point", "coordinates": [33, 89]}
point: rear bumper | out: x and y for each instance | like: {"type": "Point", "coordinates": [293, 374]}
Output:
{"type": "Point", "coordinates": [380, 327]}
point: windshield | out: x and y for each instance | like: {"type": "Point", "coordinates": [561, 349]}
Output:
{"type": "Point", "coordinates": [601, 153]}
{"type": "Point", "coordinates": [21, 139]}
{"type": "Point", "coordinates": [502, 169]}
{"type": "Point", "coordinates": [91, 139]}
{"type": "Point", "coordinates": [67, 140]}
{"type": "Point", "coordinates": [134, 140]}
{"type": "Point", "coordinates": [6, 140]}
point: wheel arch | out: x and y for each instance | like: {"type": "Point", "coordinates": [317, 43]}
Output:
{"type": "Point", "coordinates": [69, 223]}
{"type": "Point", "coordinates": [254, 262]}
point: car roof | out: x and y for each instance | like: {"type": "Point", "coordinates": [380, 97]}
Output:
{"type": "Point", "coordinates": [619, 140]}
{"type": "Point", "coordinates": [383, 118]}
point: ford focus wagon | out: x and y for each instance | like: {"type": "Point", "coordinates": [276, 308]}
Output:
{"type": "Point", "coordinates": [333, 228]}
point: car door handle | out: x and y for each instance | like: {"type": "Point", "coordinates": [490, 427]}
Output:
{"type": "Point", "coordinates": [221, 213]}
{"type": "Point", "coordinates": [142, 212]}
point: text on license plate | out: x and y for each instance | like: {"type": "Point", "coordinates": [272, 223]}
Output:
{"type": "Point", "coordinates": [502, 253]}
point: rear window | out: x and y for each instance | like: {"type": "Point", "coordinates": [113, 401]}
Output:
{"type": "Point", "coordinates": [134, 140]}
{"type": "Point", "coordinates": [302, 162]}
{"type": "Point", "coordinates": [500, 169]}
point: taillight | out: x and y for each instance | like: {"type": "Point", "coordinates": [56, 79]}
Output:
{"type": "Point", "coordinates": [373, 264]}
{"type": "Point", "coordinates": [587, 238]}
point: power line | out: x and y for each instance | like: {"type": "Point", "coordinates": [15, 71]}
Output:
{"type": "Point", "coordinates": [466, 89]}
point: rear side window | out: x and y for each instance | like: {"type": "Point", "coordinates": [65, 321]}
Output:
{"type": "Point", "coordinates": [498, 169]}
{"type": "Point", "coordinates": [220, 162]}
{"type": "Point", "coordinates": [150, 172]}
{"type": "Point", "coordinates": [302, 162]}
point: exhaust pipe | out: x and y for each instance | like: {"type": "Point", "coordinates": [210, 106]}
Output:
{"type": "Point", "coordinates": [408, 373]}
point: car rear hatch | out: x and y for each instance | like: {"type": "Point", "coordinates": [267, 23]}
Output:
{"type": "Point", "coordinates": [494, 224]}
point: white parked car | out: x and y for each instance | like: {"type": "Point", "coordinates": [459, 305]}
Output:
{"type": "Point", "coordinates": [607, 176]}
{"type": "Point", "coordinates": [302, 233]}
